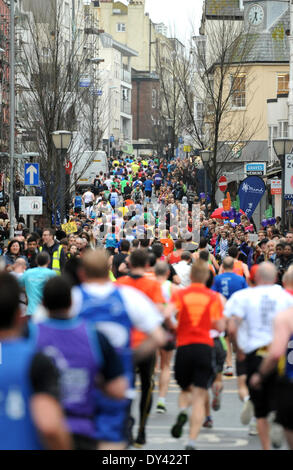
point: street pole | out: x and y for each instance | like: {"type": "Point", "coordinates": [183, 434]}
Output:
{"type": "Point", "coordinates": [290, 96]}
{"type": "Point", "coordinates": [205, 189]}
{"type": "Point", "coordinates": [283, 213]}
{"type": "Point", "coordinates": [12, 115]}
{"type": "Point", "coordinates": [62, 203]}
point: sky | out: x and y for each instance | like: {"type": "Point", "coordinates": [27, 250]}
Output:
{"type": "Point", "coordinates": [181, 16]}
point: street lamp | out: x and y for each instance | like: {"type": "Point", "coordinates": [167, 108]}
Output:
{"type": "Point", "coordinates": [282, 147]}
{"type": "Point", "coordinates": [12, 112]}
{"type": "Point", "coordinates": [62, 141]}
{"type": "Point", "coordinates": [205, 156]}
{"type": "Point", "coordinates": [110, 135]}
{"type": "Point", "coordinates": [170, 123]}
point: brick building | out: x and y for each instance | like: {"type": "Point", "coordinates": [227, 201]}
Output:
{"type": "Point", "coordinates": [145, 110]}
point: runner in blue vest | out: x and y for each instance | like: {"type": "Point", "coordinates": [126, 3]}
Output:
{"type": "Point", "coordinates": [82, 356]}
{"type": "Point", "coordinates": [115, 311]}
{"type": "Point", "coordinates": [77, 203]}
{"type": "Point", "coordinates": [30, 415]}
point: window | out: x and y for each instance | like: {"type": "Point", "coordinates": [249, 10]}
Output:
{"type": "Point", "coordinates": [283, 83]}
{"type": "Point", "coordinates": [273, 134]}
{"type": "Point", "coordinates": [121, 27]}
{"type": "Point", "coordinates": [199, 111]}
{"type": "Point", "coordinates": [154, 98]}
{"type": "Point", "coordinates": [238, 90]}
{"type": "Point", "coordinates": [282, 129]}
{"type": "Point", "coordinates": [45, 52]}
{"type": "Point", "coordinates": [125, 94]}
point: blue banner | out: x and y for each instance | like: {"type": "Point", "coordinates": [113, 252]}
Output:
{"type": "Point", "coordinates": [250, 192]}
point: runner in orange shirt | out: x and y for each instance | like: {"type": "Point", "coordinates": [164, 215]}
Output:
{"type": "Point", "coordinates": [152, 288]}
{"type": "Point", "coordinates": [199, 311]}
{"type": "Point", "coordinates": [167, 242]}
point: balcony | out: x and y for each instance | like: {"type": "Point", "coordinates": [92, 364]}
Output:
{"type": "Point", "coordinates": [125, 107]}
{"type": "Point", "coordinates": [125, 76]}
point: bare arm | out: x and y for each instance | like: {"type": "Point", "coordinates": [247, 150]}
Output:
{"type": "Point", "coordinates": [176, 280]}
{"type": "Point", "coordinates": [215, 263]}
{"type": "Point", "coordinates": [283, 328]}
{"type": "Point", "coordinates": [49, 420]}
{"type": "Point", "coordinates": [116, 388]}
{"type": "Point", "coordinates": [219, 325]}
{"type": "Point", "coordinates": [246, 271]}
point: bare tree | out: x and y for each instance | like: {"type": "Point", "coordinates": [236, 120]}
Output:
{"type": "Point", "coordinates": [173, 120]}
{"type": "Point", "coordinates": [219, 75]}
{"type": "Point", "coordinates": [53, 64]}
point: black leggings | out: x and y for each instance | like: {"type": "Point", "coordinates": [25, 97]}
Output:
{"type": "Point", "coordinates": [145, 369]}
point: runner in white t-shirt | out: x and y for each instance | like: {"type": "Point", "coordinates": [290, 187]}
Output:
{"type": "Point", "coordinates": [251, 313]}
{"type": "Point", "coordinates": [88, 200]}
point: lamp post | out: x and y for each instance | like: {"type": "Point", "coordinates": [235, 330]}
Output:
{"type": "Point", "coordinates": [110, 135]}
{"type": "Point", "coordinates": [62, 141]}
{"type": "Point", "coordinates": [282, 147]}
{"type": "Point", "coordinates": [205, 156]}
{"type": "Point", "coordinates": [170, 123]}
{"type": "Point", "coordinates": [12, 113]}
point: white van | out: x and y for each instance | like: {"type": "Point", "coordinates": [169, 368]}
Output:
{"type": "Point", "coordinates": [99, 162]}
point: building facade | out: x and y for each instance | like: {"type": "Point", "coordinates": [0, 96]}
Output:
{"type": "Point", "coordinates": [260, 75]}
{"type": "Point", "coordinates": [115, 79]}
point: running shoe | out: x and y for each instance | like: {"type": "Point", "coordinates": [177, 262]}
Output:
{"type": "Point", "coordinates": [190, 448]}
{"type": "Point", "coordinates": [246, 413]}
{"type": "Point", "coordinates": [252, 428]}
{"type": "Point", "coordinates": [140, 440]}
{"type": "Point", "coordinates": [276, 432]}
{"type": "Point", "coordinates": [161, 408]}
{"type": "Point", "coordinates": [228, 372]}
{"type": "Point", "coordinates": [208, 423]}
{"type": "Point", "coordinates": [176, 430]}
{"type": "Point", "coordinates": [216, 403]}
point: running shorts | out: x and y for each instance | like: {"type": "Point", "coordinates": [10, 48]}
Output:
{"type": "Point", "coordinates": [111, 420]}
{"type": "Point", "coordinates": [264, 399]}
{"type": "Point", "coordinates": [83, 443]}
{"type": "Point", "coordinates": [284, 403]}
{"type": "Point", "coordinates": [194, 365]}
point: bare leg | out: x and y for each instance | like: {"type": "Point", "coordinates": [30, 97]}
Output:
{"type": "Point", "coordinates": [198, 411]}
{"type": "Point", "coordinates": [218, 383]}
{"type": "Point", "coordinates": [242, 387]}
{"type": "Point", "coordinates": [184, 399]}
{"type": "Point", "coordinates": [103, 445]}
{"type": "Point", "coordinates": [207, 404]}
{"type": "Point", "coordinates": [164, 380]}
{"type": "Point", "coordinates": [289, 437]}
{"type": "Point", "coordinates": [263, 428]}
{"type": "Point", "coordinates": [229, 353]}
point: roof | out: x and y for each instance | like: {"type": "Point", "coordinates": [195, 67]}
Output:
{"type": "Point", "coordinates": [268, 46]}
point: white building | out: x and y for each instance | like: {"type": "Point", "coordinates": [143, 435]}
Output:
{"type": "Point", "coordinates": [115, 78]}
{"type": "Point", "coordinates": [161, 28]}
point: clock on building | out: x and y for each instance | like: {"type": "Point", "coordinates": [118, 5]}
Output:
{"type": "Point", "coordinates": [256, 15]}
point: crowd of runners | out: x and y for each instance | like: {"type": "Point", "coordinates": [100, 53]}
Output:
{"type": "Point", "coordinates": [139, 277]}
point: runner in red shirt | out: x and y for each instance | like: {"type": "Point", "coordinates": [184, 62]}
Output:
{"type": "Point", "coordinates": [199, 311]}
